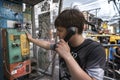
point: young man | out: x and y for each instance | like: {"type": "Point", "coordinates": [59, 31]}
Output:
{"type": "Point", "coordinates": [80, 58]}
{"type": "Point", "coordinates": [117, 57]}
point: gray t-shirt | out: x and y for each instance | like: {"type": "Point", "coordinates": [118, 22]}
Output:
{"type": "Point", "coordinates": [90, 55]}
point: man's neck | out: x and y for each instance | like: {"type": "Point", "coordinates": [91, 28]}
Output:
{"type": "Point", "coordinates": [77, 40]}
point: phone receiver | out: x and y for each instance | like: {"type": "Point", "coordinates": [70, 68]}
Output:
{"type": "Point", "coordinates": [70, 32]}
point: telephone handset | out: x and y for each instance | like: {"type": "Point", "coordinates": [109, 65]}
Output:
{"type": "Point", "coordinates": [70, 32]}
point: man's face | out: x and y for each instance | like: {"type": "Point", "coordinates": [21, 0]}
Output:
{"type": "Point", "coordinates": [119, 50]}
{"type": "Point", "coordinates": [61, 32]}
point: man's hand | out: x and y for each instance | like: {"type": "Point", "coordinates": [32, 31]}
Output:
{"type": "Point", "coordinates": [29, 36]}
{"type": "Point", "coordinates": [63, 49]}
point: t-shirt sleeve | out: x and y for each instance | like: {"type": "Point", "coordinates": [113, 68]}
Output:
{"type": "Point", "coordinates": [96, 63]}
{"type": "Point", "coordinates": [97, 73]}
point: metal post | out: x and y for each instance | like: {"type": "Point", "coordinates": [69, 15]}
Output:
{"type": "Point", "coordinates": [1, 58]}
{"type": "Point", "coordinates": [119, 25]}
{"type": "Point", "coordinates": [33, 31]}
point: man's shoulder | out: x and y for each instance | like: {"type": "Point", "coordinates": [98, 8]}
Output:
{"type": "Point", "coordinates": [91, 43]}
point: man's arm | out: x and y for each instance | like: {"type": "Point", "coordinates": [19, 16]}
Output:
{"type": "Point", "coordinates": [116, 55]}
{"type": "Point", "coordinates": [76, 71]}
{"type": "Point", "coordinates": [41, 43]}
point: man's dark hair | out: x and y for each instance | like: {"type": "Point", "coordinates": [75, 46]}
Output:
{"type": "Point", "coordinates": [71, 18]}
{"type": "Point", "coordinates": [118, 53]}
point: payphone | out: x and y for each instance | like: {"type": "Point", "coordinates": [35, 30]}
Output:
{"type": "Point", "coordinates": [16, 53]}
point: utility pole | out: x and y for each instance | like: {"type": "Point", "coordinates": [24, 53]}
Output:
{"type": "Point", "coordinates": [60, 6]}
{"type": "Point", "coordinates": [96, 10]}
{"type": "Point", "coordinates": [119, 17]}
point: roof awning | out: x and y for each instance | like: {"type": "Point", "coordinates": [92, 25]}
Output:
{"type": "Point", "coordinates": [29, 2]}
{"type": "Point", "coordinates": [32, 2]}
